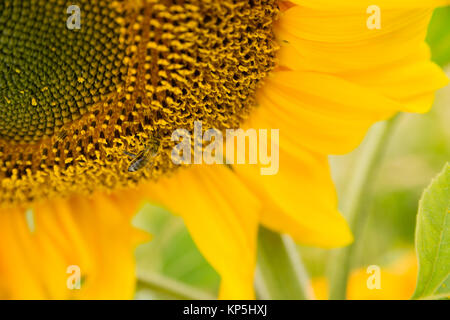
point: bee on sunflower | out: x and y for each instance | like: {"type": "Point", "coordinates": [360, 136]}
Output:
{"type": "Point", "coordinates": [136, 70]}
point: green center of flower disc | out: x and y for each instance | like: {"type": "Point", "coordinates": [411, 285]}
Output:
{"type": "Point", "coordinates": [49, 74]}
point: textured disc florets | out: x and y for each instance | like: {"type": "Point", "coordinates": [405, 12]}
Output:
{"type": "Point", "coordinates": [75, 102]}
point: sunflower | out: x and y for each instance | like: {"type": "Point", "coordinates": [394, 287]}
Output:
{"type": "Point", "coordinates": [76, 101]}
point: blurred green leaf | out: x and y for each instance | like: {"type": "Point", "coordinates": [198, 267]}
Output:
{"type": "Point", "coordinates": [183, 261]}
{"type": "Point", "coordinates": [439, 36]}
{"type": "Point", "coordinates": [170, 288]}
{"type": "Point", "coordinates": [173, 255]}
{"type": "Point", "coordinates": [433, 237]}
{"type": "Point", "coordinates": [280, 272]}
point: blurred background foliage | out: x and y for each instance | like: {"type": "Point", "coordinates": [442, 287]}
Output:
{"type": "Point", "coordinates": [417, 151]}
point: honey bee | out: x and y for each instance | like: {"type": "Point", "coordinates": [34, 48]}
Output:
{"type": "Point", "coordinates": [143, 158]}
{"type": "Point", "coordinates": [61, 135]}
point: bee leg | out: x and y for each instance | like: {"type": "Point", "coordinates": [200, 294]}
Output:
{"type": "Point", "coordinates": [129, 154]}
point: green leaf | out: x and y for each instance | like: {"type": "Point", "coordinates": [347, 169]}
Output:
{"type": "Point", "coordinates": [433, 239]}
{"type": "Point", "coordinates": [439, 36]}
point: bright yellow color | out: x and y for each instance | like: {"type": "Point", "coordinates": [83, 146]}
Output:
{"type": "Point", "coordinates": [309, 219]}
{"type": "Point", "coordinates": [397, 282]}
{"type": "Point", "coordinates": [334, 79]}
{"type": "Point", "coordinates": [223, 221]}
{"type": "Point", "coordinates": [94, 234]}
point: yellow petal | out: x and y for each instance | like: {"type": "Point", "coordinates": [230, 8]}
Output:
{"type": "Point", "coordinates": [392, 61]}
{"type": "Point", "coordinates": [397, 282]}
{"type": "Point", "coordinates": [93, 234]}
{"type": "Point", "coordinates": [18, 277]}
{"type": "Point", "coordinates": [362, 4]}
{"type": "Point", "coordinates": [222, 217]}
{"type": "Point", "coordinates": [338, 40]}
{"type": "Point", "coordinates": [404, 82]}
{"type": "Point", "coordinates": [300, 200]}
{"type": "Point", "coordinates": [321, 112]}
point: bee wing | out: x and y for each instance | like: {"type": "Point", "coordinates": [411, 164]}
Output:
{"type": "Point", "coordinates": [136, 163]}
{"type": "Point", "coordinates": [61, 135]}
{"type": "Point", "coordinates": [142, 158]}
{"type": "Point", "coordinates": [132, 155]}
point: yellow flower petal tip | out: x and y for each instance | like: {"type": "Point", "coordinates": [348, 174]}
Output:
{"type": "Point", "coordinates": [140, 236]}
{"type": "Point", "coordinates": [335, 234]}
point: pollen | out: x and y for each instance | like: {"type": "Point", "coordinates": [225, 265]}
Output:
{"type": "Point", "coordinates": [131, 75]}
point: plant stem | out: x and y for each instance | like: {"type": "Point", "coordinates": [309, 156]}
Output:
{"type": "Point", "coordinates": [356, 203]}
{"type": "Point", "coordinates": [280, 272]}
{"type": "Point", "coordinates": [175, 289]}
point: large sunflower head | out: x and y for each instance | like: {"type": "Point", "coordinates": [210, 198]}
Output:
{"type": "Point", "coordinates": [79, 107]}
{"type": "Point", "coordinates": [75, 102]}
